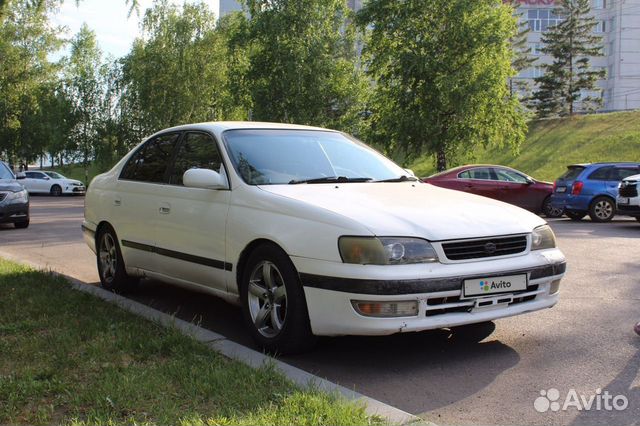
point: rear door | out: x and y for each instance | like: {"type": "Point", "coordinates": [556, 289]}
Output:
{"type": "Point", "coordinates": [191, 222]}
{"type": "Point", "coordinates": [140, 186]}
{"type": "Point", "coordinates": [36, 182]}
{"type": "Point", "coordinates": [480, 181]}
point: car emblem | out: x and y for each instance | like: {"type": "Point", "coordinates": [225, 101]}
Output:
{"type": "Point", "coordinates": [490, 248]}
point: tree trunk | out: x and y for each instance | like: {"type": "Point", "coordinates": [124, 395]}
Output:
{"type": "Point", "coordinates": [441, 159]}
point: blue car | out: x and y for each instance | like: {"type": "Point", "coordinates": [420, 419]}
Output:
{"type": "Point", "coordinates": [591, 189]}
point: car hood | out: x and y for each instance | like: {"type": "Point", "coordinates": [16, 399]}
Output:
{"type": "Point", "coordinates": [633, 178]}
{"type": "Point", "coordinates": [10, 185]}
{"type": "Point", "coordinates": [414, 209]}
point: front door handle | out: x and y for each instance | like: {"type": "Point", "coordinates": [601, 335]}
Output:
{"type": "Point", "coordinates": [117, 201]}
{"type": "Point", "coordinates": [165, 208]}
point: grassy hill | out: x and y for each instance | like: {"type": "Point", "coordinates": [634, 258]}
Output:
{"type": "Point", "coordinates": [552, 144]}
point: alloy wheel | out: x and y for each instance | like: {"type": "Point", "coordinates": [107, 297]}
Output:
{"type": "Point", "coordinates": [108, 257]}
{"type": "Point", "coordinates": [603, 210]}
{"type": "Point", "coordinates": [267, 299]}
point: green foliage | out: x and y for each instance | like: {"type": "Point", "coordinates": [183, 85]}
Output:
{"type": "Point", "coordinates": [177, 73]}
{"type": "Point", "coordinates": [571, 43]}
{"type": "Point", "coordinates": [303, 64]}
{"type": "Point", "coordinates": [441, 68]}
{"type": "Point", "coordinates": [552, 144]}
{"type": "Point", "coordinates": [70, 358]}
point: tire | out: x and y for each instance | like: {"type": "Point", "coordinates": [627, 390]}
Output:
{"type": "Point", "coordinates": [55, 190]}
{"type": "Point", "coordinates": [638, 218]}
{"type": "Point", "coordinates": [111, 268]}
{"type": "Point", "coordinates": [602, 209]}
{"type": "Point", "coordinates": [274, 308]}
{"type": "Point", "coordinates": [575, 216]}
{"type": "Point", "coordinates": [22, 225]}
{"type": "Point", "coordinates": [550, 211]}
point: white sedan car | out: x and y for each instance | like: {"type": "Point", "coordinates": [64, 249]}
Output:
{"type": "Point", "coordinates": [46, 182]}
{"type": "Point", "coordinates": [314, 233]}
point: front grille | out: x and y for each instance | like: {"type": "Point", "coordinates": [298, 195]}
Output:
{"type": "Point", "coordinates": [488, 247]}
{"type": "Point", "coordinates": [3, 195]}
{"type": "Point", "coordinates": [629, 189]}
{"type": "Point", "coordinates": [451, 304]}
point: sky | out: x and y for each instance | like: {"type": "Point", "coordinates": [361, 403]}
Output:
{"type": "Point", "coordinates": [108, 19]}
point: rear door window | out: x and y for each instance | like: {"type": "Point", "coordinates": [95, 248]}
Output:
{"type": "Point", "coordinates": [150, 163]}
{"type": "Point", "coordinates": [602, 173]}
{"type": "Point", "coordinates": [481, 173]}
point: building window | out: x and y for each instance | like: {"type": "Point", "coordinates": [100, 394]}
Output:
{"type": "Point", "coordinates": [535, 48]}
{"type": "Point", "coordinates": [610, 71]}
{"type": "Point", "coordinates": [601, 26]}
{"type": "Point", "coordinates": [532, 72]}
{"type": "Point", "coordinates": [599, 4]}
{"type": "Point", "coordinates": [612, 24]}
{"type": "Point", "coordinates": [541, 19]}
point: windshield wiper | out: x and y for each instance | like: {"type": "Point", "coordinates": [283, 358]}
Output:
{"type": "Point", "coordinates": [402, 178]}
{"type": "Point", "coordinates": [330, 179]}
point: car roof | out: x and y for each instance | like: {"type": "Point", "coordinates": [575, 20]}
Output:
{"type": "Point", "coordinates": [218, 127]}
{"type": "Point", "coordinates": [611, 163]}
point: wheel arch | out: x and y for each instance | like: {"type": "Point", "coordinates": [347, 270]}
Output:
{"type": "Point", "coordinates": [246, 252]}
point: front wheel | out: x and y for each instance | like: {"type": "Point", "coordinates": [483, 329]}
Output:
{"type": "Point", "coordinates": [602, 209]}
{"type": "Point", "coordinates": [55, 190]}
{"type": "Point", "coordinates": [113, 275]}
{"type": "Point", "coordinates": [549, 210]}
{"type": "Point", "coordinates": [273, 302]}
{"type": "Point", "coordinates": [22, 225]}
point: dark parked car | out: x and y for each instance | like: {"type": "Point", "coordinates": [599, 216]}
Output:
{"type": "Point", "coordinates": [591, 189]}
{"type": "Point", "coordinates": [501, 183]}
{"type": "Point", "coordinates": [14, 199]}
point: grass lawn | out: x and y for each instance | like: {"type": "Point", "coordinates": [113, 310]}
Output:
{"type": "Point", "coordinates": [69, 358]}
{"type": "Point", "coordinates": [553, 144]}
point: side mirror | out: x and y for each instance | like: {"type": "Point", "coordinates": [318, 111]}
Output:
{"type": "Point", "coordinates": [530, 181]}
{"type": "Point", "coordinates": [21, 175]}
{"type": "Point", "coordinates": [204, 179]}
{"type": "Point", "coordinates": [410, 172]}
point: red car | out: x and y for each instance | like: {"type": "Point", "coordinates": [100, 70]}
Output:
{"type": "Point", "coordinates": [501, 183]}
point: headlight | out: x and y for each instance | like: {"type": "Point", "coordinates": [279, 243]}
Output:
{"type": "Point", "coordinates": [542, 238]}
{"type": "Point", "coordinates": [19, 197]}
{"type": "Point", "coordinates": [385, 250]}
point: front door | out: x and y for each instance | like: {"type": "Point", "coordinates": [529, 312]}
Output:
{"type": "Point", "coordinates": [191, 222]}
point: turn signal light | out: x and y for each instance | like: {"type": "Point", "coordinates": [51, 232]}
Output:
{"type": "Point", "coordinates": [554, 287]}
{"type": "Point", "coordinates": [386, 309]}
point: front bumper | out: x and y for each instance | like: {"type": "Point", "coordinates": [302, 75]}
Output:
{"type": "Point", "coordinates": [69, 189]}
{"type": "Point", "coordinates": [14, 212]}
{"type": "Point", "coordinates": [632, 208]}
{"type": "Point", "coordinates": [437, 292]}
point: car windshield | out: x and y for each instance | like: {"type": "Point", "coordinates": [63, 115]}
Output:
{"type": "Point", "coordinates": [276, 157]}
{"type": "Point", "coordinates": [5, 173]}
{"type": "Point", "coordinates": [54, 175]}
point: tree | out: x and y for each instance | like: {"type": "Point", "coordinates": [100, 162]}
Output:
{"type": "Point", "coordinates": [522, 58]}
{"type": "Point", "coordinates": [177, 72]}
{"type": "Point", "coordinates": [571, 43]}
{"type": "Point", "coordinates": [303, 63]}
{"type": "Point", "coordinates": [85, 92]}
{"type": "Point", "coordinates": [441, 68]}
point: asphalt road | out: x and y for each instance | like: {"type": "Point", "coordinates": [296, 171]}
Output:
{"type": "Point", "coordinates": [585, 343]}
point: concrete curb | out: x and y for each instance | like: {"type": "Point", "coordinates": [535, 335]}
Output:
{"type": "Point", "coordinates": [235, 351]}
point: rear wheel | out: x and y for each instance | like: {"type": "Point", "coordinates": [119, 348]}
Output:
{"type": "Point", "coordinates": [113, 275]}
{"type": "Point", "coordinates": [273, 302]}
{"type": "Point", "coordinates": [602, 209]}
{"type": "Point", "coordinates": [549, 210]}
{"type": "Point", "coordinates": [22, 225]}
{"type": "Point", "coordinates": [575, 215]}
{"type": "Point", "coordinates": [55, 190]}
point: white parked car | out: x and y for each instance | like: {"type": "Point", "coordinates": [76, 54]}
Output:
{"type": "Point", "coordinates": [45, 182]}
{"type": "Point", "coordinates": [314, 233]}
{"type": "Point", "coordinates": [628, 199]}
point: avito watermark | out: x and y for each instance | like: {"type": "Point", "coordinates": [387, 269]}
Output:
{"type": "Point", "coordinates": [599, 400]}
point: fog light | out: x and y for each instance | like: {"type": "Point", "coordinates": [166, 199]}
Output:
{"type": "Point", "coordinates": [554, 287]}
{"type": "Point", "coordinates": [407, 308]}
